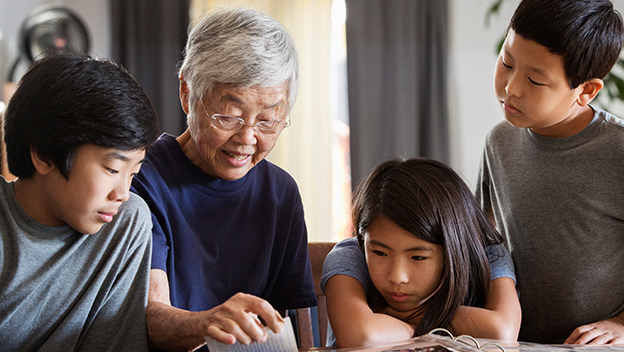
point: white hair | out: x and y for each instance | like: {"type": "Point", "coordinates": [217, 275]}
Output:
{"type": "Point", "coordinates": [240, 47]}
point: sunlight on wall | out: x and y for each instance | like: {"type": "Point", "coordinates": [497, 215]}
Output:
{"type": "Point", "coordinates": [339, 112]}
{"type": "Point", "coordinates": [315, 149]}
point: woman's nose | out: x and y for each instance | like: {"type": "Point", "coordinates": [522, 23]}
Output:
{"type": "Point", "coordinates": [247, 134]}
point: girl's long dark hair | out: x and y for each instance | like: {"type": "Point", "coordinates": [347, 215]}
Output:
{"type": "Point", "coordinates": [430, 200]}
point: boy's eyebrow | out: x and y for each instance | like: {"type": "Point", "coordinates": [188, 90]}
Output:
{"type": "Point", "coordinates": [507, 53]}
{"type": "Point", "coordinates": [534, 69]}
{"type": "Point", "coordinates": [539, 71]}
{"type": "Point", "coordinates": [119, 156]}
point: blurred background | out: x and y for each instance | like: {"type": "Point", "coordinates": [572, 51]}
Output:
{"type": "Point", "coordinates": [379, 78]}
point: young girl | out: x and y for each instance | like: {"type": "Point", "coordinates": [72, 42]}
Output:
{"type": "Point", "coordinates": [420, 261]}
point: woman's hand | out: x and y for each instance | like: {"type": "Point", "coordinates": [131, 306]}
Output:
{"type": "Point", "coordinates": [237, 319]}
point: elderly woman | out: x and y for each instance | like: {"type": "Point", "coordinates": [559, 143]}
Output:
{"type": "Point", "coordinates": [226, 221]}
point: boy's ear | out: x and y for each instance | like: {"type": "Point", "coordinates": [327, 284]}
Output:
{"type": "Point", "coordinates": [589, 91]}
{"type": "Point", "coordinates": [184, 95]}
{"type": "Point", "coordinates": [43, 167]}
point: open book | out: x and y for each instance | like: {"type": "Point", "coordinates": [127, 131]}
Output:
{"type": "Point", "coordinates": [285, 342]}
{"type": "Point", "coordinates": [425, 343]}
{"type": "Point", "coordinates": [431, 342]}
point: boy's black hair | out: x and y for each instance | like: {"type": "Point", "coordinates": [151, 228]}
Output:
{"type": "Point", "coordinates": [66, 100]}
{"type": "Point", "coordinates": [588, 34]}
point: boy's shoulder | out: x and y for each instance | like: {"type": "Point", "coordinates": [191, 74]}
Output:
{"type": "Point", "coordinates": [135, 206]}
{"type": "Point", "coordinates": [504, 126]}
{"type": "Point", "coordinates": [610, 119]}
{"type": "Point", "coordinates": [6, 196]}
{"type": "Point", "coordinates": [605, 126]}
{"type": "Point", "coordinates": [133, 214]}
{"type": "Point", "coordinates": [132, 224]}
{"type": "Point", "coordinates": [503, 130]}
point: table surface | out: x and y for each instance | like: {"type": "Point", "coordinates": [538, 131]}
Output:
{"type": "Point", "coordinates": [484, 345]}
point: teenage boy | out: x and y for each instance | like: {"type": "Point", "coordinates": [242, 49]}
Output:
{"type": "Point", "coordinates": [75, 245]}
{"type": "Point", "coordinates": [552, 174]}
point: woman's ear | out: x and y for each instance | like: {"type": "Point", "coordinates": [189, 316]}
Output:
{"type": "Point", "coordinates": [589, 91]}
{"type": "Point", "coordinates": [184, 95]}
{"type": "Point", "coordinates": [42, 167]}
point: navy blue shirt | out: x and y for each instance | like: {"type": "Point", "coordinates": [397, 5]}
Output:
{"type": "Point", "coordinates": [215, 237]}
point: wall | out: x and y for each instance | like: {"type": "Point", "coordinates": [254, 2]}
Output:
{"type": "Point", "coordinates": [473, 107]}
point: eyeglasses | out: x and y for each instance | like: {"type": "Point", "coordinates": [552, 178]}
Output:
{"type": "Point", "coordinates": [229, 123]}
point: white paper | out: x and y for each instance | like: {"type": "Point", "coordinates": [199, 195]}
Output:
{"type": "Point", "coordinates": [282, 342]}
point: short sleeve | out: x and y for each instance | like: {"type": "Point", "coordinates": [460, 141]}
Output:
{"type": "Point", "coordinates": [501, 263]}
{"type": "Point", "coordinates": [346, 258]}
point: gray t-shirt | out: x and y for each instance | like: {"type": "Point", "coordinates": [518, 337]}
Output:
{"type": "Point", "coordinates": [560, 204]}
{"type": "Point", "coordinates": [346, 258]}
{"type": "Point", "coordinates": [64, 291]}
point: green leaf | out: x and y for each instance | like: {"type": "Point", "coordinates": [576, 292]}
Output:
{"type": "Point", "coordinates": [615, 83]}
{"type": "Point", "coordinates": [494, 9]}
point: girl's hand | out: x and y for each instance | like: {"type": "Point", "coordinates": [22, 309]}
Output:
{"type": "Point", "coordinates": [498, 320]}
{"type": "Point", "coordinates": [354, 323]}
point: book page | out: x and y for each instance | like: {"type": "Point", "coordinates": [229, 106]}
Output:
{"type": "Point", "coordinates": [282, 342]}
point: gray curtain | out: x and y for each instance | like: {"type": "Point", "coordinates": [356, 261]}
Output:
{"type": "Point", "coordinates": [148, 39]}
{"type": "Point", "coordinates": [397, 53]}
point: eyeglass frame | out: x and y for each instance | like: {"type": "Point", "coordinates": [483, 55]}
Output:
{"type": "Point", "coordinates": [242, 123]}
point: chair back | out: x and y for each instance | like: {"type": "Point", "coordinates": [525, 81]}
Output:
{"type": "Point", "coordinates": [318, 251]}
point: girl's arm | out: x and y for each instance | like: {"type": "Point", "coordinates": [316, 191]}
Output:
{"type": "Point", "coordinates": [499, 319]}
{"type": "Point", "coordinates": [352, 320]}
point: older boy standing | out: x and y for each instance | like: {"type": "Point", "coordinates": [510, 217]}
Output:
{"type": "Point", "coordinates": [551, 175]}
